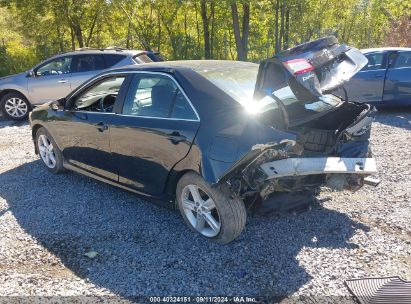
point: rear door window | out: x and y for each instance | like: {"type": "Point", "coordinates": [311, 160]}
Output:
{"type": "Point", "coordinates": [87, 63]}
{"type": "Point", "coordinates": [157, 96]}
{"type": "Point", "coordinates": [182, 109]}
{"type": "Point", "coordinates": [403, 60]}
{"type": "Point", "coordinates": [113, 59]}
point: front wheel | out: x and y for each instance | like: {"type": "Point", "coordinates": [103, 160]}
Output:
{"type": "Point", "coordinates": [15, 106]}
{"type": "Point", "coordinates": [49, 152]}
{"type": "Point", "coordinates": [208, 211]}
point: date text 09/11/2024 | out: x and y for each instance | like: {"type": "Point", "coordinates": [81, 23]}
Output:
{"type": "Point", "coordinates": [199, 299]}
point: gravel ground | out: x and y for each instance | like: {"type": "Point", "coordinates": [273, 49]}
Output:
{"type": "Point", "coordinates": [48, 222]}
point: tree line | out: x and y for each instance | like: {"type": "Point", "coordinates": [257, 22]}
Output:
{"type": "Point", "coordinates": [32, 30]}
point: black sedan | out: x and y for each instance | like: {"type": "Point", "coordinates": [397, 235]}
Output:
{"type": "Point", "coordinates": [214, 137]}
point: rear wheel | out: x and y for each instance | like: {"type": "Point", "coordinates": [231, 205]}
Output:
{"type": "Point", "coordinates": [15, 106]}
{"type": "Point", "coordinates": [49, 153]}
{"type": "Point", "coordinates": [208, 211]}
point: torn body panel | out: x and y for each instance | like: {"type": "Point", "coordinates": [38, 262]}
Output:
{"type": "Point", "coordinates": [330, 136]}
{"type": "Point", "coordinates": [327, 152]}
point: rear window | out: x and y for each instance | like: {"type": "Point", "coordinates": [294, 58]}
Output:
{"type": "Point", "coordinates": [142, 58]}
{"type": "Point", "coordinates": [238, 79]}
{"type": "Point", "coordinates": [113, 59]}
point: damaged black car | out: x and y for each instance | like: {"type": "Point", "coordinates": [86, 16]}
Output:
{"type": "Point", "coordinates": [213, 137]}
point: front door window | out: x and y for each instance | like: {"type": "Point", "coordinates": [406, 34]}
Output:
{"type": "Point", "coordinates": [100, 97]}
{"type": "Point", "coordinates": [58, 66]}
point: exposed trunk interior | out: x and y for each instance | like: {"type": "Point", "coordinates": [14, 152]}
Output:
{"type": "Point", "coordinates": [321, 135]}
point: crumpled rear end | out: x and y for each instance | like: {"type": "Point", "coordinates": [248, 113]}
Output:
{"type": "Point", "coordinates": [333, 150]}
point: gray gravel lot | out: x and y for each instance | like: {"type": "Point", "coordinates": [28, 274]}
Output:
{"type": "Point", "coordinates": [48, 222]}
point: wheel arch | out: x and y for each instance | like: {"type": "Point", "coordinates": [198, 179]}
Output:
{"type": "Point", "coordinates": [34, 130]}
{"type": "Point", "coordinates": [174, 178]}
{"type": "Point", "coordinates": [7, 91]}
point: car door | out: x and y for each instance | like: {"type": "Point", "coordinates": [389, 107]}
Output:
{"type": "Point", "coordinates": [153, 132]}
{"type": "Point", "coordinates": [50, 80]}
{"type": "Point", "coordinates": [398, 81]}
{"type": "Point", "coordinates": [84, 67]}
{"type": "Point", "coordinates": [368, 84]}
{"type": "Point", "coordinates": [83, 130]}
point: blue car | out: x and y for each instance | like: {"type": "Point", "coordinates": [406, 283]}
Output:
{"type": "Point", "coordinates": [384, 81]}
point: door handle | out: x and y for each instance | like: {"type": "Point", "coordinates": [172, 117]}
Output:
{"type": "Point", "coordinates": [62, 81]}
{"type": "Point", "coordinates": [101, 126]}
{"type": "Point", "coordinates": [176, 137]}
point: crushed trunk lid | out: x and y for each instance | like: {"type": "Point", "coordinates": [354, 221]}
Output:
{"type": "Point", "coordinates": [309, 70]}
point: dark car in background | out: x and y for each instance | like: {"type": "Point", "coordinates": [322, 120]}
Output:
{"type": "Point", "coordinates": [155, 56]}
{"type": "Point", "coordinates": [385, 81]}
{"type": "Point", "coordinates": [59, 75]}
{"type": "Point", "coordinates": [213, 137]}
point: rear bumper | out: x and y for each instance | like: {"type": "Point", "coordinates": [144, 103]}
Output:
{"type": "Point", "coordinates": [318, 165]}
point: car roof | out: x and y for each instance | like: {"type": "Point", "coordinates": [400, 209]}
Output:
{"type": "Point", "coordinates": [195, 65]}
{"type": "Point", "coordinates": [385, 49]}
{"type": "Point", "coordinates": [91, 51]}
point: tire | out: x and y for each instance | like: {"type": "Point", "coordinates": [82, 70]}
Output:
{"type": "Point", "coordinates": [15, 106]}
{"type": "Point", "coordinates": [51, 157]}
{"type": "Point", "coordinates": [229, 214]}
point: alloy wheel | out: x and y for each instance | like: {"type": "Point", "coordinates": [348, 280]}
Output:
{"type": "Point", "coordinates": [16, 107]}
{"type": "Point", "coordinates": [46, 151]}
{"type": "Point", "coordinates": [200, 211]}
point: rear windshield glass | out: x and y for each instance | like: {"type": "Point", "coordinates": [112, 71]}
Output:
{"type": "Point", "coordinates": [238, 79]}
{"type": "Point", "coordinates": [142, 58]}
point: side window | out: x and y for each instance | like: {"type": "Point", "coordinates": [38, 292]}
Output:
{"type": "Point", "coordinates": [101, 96]}
{"type": "Point", "coordinates": [403, 60]}
{"type": "Point", "coordinates": [55, 67]}
{"type": "Point", "coordinates": [375, 62]}
{"type": "Point", "coordinates": [156, 96]}
{"type": "Point", "coordinates": [182, 108]}
{"type": "Point", "coordinates": [86, 63]}
{"type": "Point", "coordinates": [113, 59]}
{"type": "Point", "coordinates": [391, 58]}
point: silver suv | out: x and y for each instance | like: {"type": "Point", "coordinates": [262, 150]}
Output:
{"type": "Point", "coordinates": [57, 76]}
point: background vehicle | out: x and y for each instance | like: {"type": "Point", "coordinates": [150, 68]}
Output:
{"type": "Point", "coordinates": [384, 81]}
{"type": "Point", "coordinates": [267, 129]}
{"type": "Point", "coordinates": [155, 56]}
{"type": "Point", "coordinates": [57, 76]}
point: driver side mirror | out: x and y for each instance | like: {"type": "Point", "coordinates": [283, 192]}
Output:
{"type": "Point", "coordinates": [31, 74]}
{"type": "Point", "coordinates": [58, 104]}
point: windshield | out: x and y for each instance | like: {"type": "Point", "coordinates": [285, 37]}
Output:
{"type": "Point", "coordinates": [238, 79]}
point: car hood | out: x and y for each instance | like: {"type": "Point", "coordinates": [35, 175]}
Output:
{"type": "Point", "coordinates": [10, 77]}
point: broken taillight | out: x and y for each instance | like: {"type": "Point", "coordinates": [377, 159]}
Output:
{"type": "Point", "coordinates": [299, 66]}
